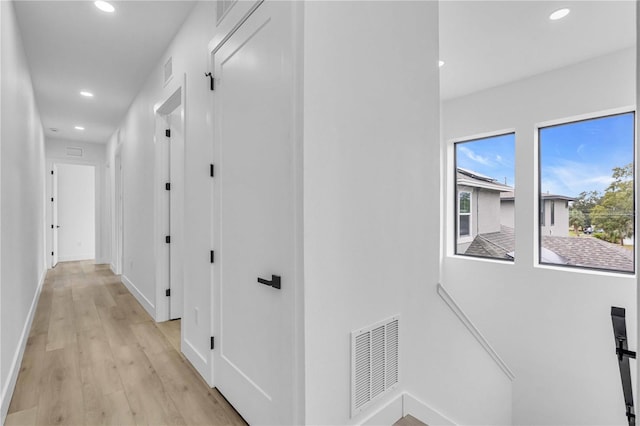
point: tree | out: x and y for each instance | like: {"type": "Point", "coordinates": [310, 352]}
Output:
{"type": "Point", "coordinates": [585, 202]}
{"type": "Point", "coordinates": [576, 219]}
{"type": "Point", "coordinates": [614, 213]}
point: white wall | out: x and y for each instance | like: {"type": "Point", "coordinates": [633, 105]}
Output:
{"type": "Point", "coordinates": [137, 133]}
{"type": "Point", "coordinates": [76, 212]}
{"type": "Point", "coordinates": [552, 325]}
{"type": "Point", "coordinates": [56, 151]}
{"type": "Point", "coordinates": [371, 212]}
{"type": "Point", "coordinates": [21, 200]}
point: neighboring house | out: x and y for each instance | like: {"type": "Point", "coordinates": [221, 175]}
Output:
{"type": "Point", "coordinates": [478, 206]}
{"type": "Point", "coordinates": [554, 213]}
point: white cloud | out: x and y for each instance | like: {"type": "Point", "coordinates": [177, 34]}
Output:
{"type": "Point", "coordinates": [474, 157]}
{"type": "Point", "coordinates": [571, 178]}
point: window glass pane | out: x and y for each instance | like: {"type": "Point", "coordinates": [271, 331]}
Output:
{"type": "Point", "coordinates": [485, 201]}
{"type": "Point", "coordinates": [588, 167]}
{"type": "Point", "coordinates": [464, 225]}
{"type": "Point", "coordinates": [465, 202]}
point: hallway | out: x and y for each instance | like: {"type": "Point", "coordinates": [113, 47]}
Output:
{"type": "Point", "coordinates": [95, 357]}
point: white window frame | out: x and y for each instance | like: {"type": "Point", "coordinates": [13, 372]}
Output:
{"type": "Point", "coordinates": [465, 238]}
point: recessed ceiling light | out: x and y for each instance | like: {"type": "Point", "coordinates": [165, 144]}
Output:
{"type": "Point", "coordinates": [559, 14]}
{"type": "Point", "coordinates": [104, 6]}
{"type": "Point", "coordinates": [86, 94]}
{"type": "Point", "coordinates": [79, 128]}
{"type": "Point", "coordinates": [440, 63]}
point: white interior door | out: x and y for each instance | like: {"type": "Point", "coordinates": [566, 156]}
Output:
{"type": "Point", "coordinates": [54, 217]}
{"type": "Point", "coordinates": [176, 214]}
{"type": "Point", "coordinates": [119, 214]}
{"type": "Point", "coordinates": [254, 217]}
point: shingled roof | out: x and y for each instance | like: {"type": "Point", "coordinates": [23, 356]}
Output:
{"type": "Point", "coordinates": [590, 252]}
{"type": "Point", "coordinates": [578, 251]}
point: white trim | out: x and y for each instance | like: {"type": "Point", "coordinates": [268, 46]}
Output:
{"type": "Point", "coordinates": [196, 358]}
{"type": "Point", "coordinates": [386, 414]}
{"type": "Point", "coordinates": [10, 385]}
{"type": "Point", "coordinates": [455, 308]}
{"type": "Point", "coordinates": [423, 412]}
{"type": "Point", "coordinates": [231, 21]}
{"type": "Point", "coordinates": [76, 257]}
{"type": "Point", "coordinates": [146, 303]}
{"type": "Point", "coordinates": [113, 268]}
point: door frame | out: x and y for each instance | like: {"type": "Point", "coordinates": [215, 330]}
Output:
{"type": "Point", "coordinates": [118, 212]}
{"type": "Point", "coordinates": [176, 98]}
{"type": "Point", "coordinates": [99, 176]}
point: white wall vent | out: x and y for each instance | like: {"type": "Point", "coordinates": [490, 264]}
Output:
{"type": "Point", "coordinates": [168, 69]}
{"type": "Point", "coordinates": [74, 152]}
{"type": "Point", "coordinates": [374, 362]}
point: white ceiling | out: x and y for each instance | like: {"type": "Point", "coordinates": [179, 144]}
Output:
{"type": "Point", "coordinates": [73, 46]}
{"type": "Point", "coordinates": [488, 43]}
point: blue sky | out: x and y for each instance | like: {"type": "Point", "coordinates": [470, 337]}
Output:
{"type": "Point", "coordinates": [493, 157]}
{"type": "Point", "coordinates": [574, 157]}
{"type": "Point", "coordinates": [580, 156]}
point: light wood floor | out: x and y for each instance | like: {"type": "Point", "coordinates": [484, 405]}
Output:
{"type": "Point", "coordinates": [95, 357]}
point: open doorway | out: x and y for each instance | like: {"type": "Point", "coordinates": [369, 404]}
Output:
{"type": "Point", "coordinates": [74, 213]}
{"type": "Point", "coordinates": [170, 206]}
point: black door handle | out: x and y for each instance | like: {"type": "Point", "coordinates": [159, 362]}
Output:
{"type": "Point", "coordinates": [275, 281]}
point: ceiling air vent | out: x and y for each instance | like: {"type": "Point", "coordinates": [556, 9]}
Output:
{"type": "Point", "coordinates": [74, 152]}
{"type": "Point", "coordinates": [374, 362]}
{"type": "Point", "coordinates": [168, 70]}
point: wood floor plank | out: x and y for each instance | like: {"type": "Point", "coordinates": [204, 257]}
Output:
{"type": "Point", "coordinates": [171, 330]}
{"type": "Point", "coordinates": [22, 418]}
{"type": "Point", "coordinates": [61, 401]}
{"type": "Point", "coordinates": [133, 310]}
{"type": "Point", "coordinates": [197, 404]}
{"type": "Point", "coordinates": [95, 357]}
{"type": "Point", "coordinates": [148, 399]}
{"type": "Point", "coordinates": [85, 313]}
{"type": "Point", "coordinates": [97, 365]}
{"type": "Point", "coordinates": [150, 338]}
{"type": "Point", "coordinates": [27, 391]}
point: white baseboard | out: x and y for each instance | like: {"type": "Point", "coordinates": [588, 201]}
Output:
{"type": "Point", "coordinates": [198, 361]}
{"type": "Point", "coordinates": [423, 412]}
{"type": "Point", "coordinates": [76, 257]}
{"type": "Point", "coordinates": [113, 268]}
{"type": "Point", "coordinates": [387, 414]}
{"type": "Point", "coordinates": [9, 387]}
{"type": "Point", "coordinates": [146, 303]}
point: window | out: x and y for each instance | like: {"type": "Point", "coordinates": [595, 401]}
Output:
{"type": "Point", "coordinates": [464, 214]}
{"type": "Point", "coordinates": [587, 177]}
{"type": "Point", "coordinates": [485, 197]}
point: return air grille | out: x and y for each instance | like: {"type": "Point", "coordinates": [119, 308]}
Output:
{"type": "Point", "coordinates": [374, 358]}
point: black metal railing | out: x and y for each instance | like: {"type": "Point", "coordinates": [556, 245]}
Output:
{"type": "Point", "coordinates": [623, 353]}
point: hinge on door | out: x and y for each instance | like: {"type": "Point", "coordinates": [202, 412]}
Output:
{"type": "Point", "coordinates": [167, 186]}
{"type": "Point", "coordinates": [51, 226]}
{"type": "Point", "coordinates": [51, 253]}
{"type": "Point", "coordinates": [212, 256]}
{"type": "Point", "coordinates": [212, 342]}
{"type": "Point", "coordinates": [211, 170]}
{"type": "Point", "coordinates": [167, 239]}
{"type": "Point", "coordinates": [167, 292]}
{"type": "Point", "coordinates": [51, 171]}
{"type": "Point", "coordinates": [167, 133]}
{"type": "Point", "coordinates": [52, 199]}
{"type": "Point", "coordinates": [212, 81]}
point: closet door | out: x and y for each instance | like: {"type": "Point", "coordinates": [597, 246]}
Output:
{"type": "Point", "coordinates": [255, 217]}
